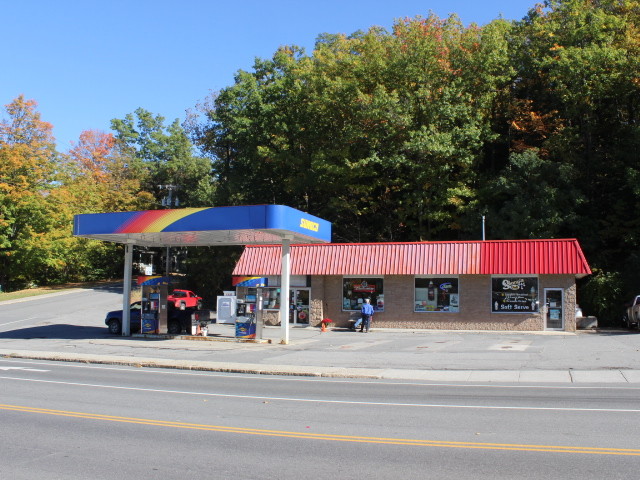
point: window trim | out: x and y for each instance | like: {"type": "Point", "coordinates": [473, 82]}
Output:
{"type": "Point", "coordinates": [516, 312]}
{"type": "Point", "coordinates": [457, 277]}
{"type": "Point", "coordinates": [365, 277]}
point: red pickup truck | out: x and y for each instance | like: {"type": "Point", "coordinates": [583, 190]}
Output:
{"type": "Point", "coordinates": [183, 299]}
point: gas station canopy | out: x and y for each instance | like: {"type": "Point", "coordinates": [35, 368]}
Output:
{"type": "Point", "coordinates": [242, 225]}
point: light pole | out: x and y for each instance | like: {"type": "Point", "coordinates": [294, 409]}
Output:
{"type": "Point", "coordinates": [483, 235]}
{"type": "Point", "coordinates": [169, 201]}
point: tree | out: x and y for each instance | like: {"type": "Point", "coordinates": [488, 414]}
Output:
{"type": "Point", "coordinates": [533, 198]}
{"type": "Point", "coordinates": [27, 178]}
{"type": "Point", "coordinates": [380, 133]}
{"type": "Point", "coordinates": [103, 176]}
{"type": "Point", "coordinates": [99, 177]}
{"type": "Point", "coordinates": [167, 156]}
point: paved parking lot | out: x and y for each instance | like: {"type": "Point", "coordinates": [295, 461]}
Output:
{"type": "Point", "coordinates": [50, 328]}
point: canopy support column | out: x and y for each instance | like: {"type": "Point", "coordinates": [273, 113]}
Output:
{"type": "Point", "coordinates": [284, 289]}
{"type": "Point", "coordinates": [126, 297]}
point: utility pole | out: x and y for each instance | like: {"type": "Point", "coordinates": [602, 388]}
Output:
{"type": "Point", "coordinates": [483, 236]}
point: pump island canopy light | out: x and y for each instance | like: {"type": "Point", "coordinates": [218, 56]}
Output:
{"type": "Point", "coordinates": [212, 226]}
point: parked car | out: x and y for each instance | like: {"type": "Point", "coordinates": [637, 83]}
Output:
{"type": "Point", "coordinates": [631, 316]}
{"type": "Point", "coordinates": [183, 299]}
{"type": "Point", "coordinates": [177, 320]}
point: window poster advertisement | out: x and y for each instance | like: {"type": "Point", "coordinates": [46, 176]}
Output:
{"type": "Point", "coordinates": [436, 295]}
{"type": "Point", "coordinates": [514, 294]}
{"type": "Point", "coordinates": [355, 290]}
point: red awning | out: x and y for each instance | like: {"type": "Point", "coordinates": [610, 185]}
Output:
{"type": "Point", "coordinates": [518, 257]}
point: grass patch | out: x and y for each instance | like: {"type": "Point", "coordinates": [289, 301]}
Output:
{"type": "Point", "coordinates": [37, 291]}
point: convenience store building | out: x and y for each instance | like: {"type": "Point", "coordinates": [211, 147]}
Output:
{"type": "Point", "coordinates": [519, 285]}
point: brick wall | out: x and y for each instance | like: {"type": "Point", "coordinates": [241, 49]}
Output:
{"type": "Point", "coordinates": [475, 305]}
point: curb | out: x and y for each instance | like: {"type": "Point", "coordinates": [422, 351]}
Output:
{"type": "Point", "coordinates": [524, 377]}
{"type": "Point", "coordinates": [285, 370]}
{"type": "Point", "coordinates": [201, 338]}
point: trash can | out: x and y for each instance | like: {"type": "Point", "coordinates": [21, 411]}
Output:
{"type": "Point", "coordinates": [246, 327]}
{"type": "Point", "coordinates": [149, 323]}
{"type": "Point", "coordinates": [200, 320]}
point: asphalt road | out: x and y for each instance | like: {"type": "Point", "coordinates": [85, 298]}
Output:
{"type": "Point", "coordinates": [74, 421]}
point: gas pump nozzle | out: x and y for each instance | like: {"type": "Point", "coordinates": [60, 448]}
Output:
{"type": "Point", "coordinates": [241, 308]}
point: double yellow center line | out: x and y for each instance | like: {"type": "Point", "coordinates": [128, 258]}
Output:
{"type": "Point", "coordinates": [320, 436]}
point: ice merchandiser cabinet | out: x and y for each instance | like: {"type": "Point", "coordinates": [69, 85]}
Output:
{"type": "Point", "coordinates": [226, 308]}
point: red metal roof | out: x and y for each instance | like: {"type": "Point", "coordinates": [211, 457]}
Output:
{"type": "Point", "coordinates": [421, 258]}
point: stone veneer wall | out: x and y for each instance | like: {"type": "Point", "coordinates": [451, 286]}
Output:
{"type": "Point", "coordinates": [568, 283]}
{"type": "Point", "coordinates": [318, 301]}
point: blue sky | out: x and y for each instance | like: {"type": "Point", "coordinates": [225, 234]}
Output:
{"type": "Point", "coordinates": [86, 62]}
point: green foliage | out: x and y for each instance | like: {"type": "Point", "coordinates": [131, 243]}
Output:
{"type": "Point", "coordinates": [27, 180]}
{"type": "Point", "coordinates": [578, 101]}
{"type": "Point", "coordinates": [602, 297]}
{"type": "Point", "coordinates": [533, 198]}
{"type": "Point", "coordinates": [165, 156]}
{"type": "Point", "coordinates": [379, 132]}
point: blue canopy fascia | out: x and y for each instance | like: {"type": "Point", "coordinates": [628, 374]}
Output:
{"type": "Point", "coordinates": [241, 225]}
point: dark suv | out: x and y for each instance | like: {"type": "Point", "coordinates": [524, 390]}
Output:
{"type": "Point", "coordinates": [177, 321]}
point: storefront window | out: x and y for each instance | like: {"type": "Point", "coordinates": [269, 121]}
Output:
{"type": "Point", "coordinates": [514, 294]}
{"type": "Point", "coordinates": [356, 289]}
{"type": "Point", "coordinates": [271, 293]}
{"type": "Point", "coordinates": [436, 294]}
{"type": "Point", "coordinates": [271, 298]}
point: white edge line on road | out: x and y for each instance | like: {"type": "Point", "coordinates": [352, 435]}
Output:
{"type": "Point", "coordinates": [19, 321]}
{"type": "Point", "coordinates": [277, 378]}
{"type": "Point", "coordinates": [310, 400]}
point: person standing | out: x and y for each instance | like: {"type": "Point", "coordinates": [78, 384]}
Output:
{"type": "Point", "coordinates": [367, 313]}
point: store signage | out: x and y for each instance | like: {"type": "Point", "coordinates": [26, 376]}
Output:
{"type": "Point", "coordinates": [514, 295]}
{"type": "Point", "coordinates": [309, 225]}
{"type": "Point", "coordinates": [364, 287]}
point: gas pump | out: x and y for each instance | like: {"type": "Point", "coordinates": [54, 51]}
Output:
{"type": "Point", "coordinates": [154, 309]}
{"type": "Point", "coordinates": [245, 320]}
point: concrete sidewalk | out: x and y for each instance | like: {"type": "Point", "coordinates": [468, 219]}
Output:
{"type": "Point", "coordinates": [419, 355]}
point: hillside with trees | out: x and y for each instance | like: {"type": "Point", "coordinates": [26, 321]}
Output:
{"type": "Point", "coordinates": [403, 135]}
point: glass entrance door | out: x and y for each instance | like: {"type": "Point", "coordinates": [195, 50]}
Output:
{"type": "Point", "coordinates": [554, 301]}
{"type": "Point", "coordinates": [299, 311]}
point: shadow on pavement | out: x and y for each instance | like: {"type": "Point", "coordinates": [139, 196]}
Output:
{"type": "Point", "coordinates": [614, 332]}
{"type": "Point", "coordinates": [79, 332]}
{"type": "Point", "coordinates": [58, 332]}
{"type": "Point", "coordinates": [106, 287]}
